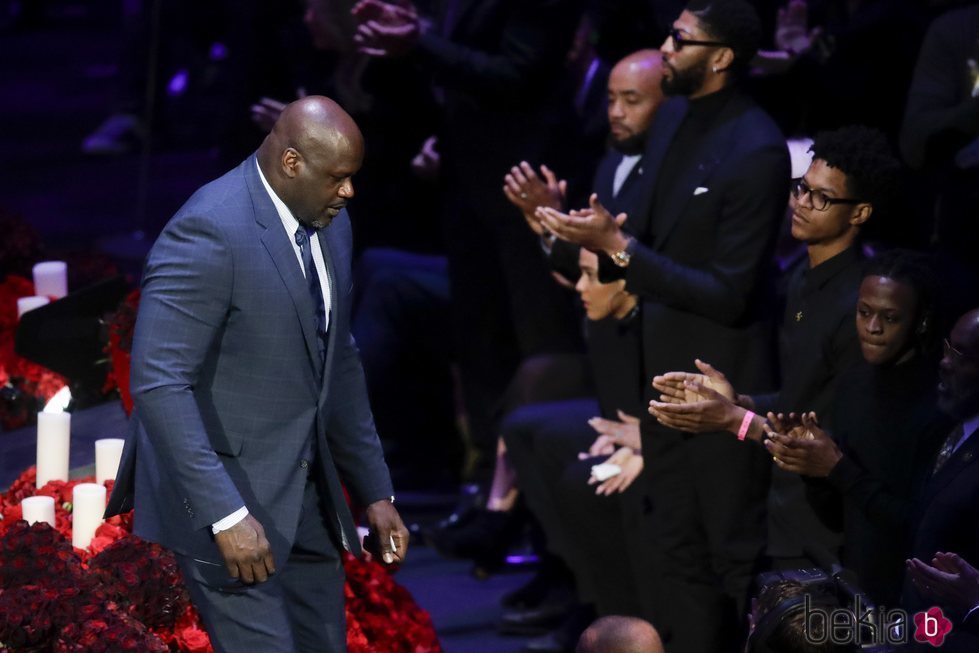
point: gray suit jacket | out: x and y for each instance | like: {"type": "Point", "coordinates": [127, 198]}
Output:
{"type": "Point", "coordinates": [231, 397]}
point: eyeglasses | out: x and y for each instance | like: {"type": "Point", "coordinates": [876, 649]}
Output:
{"type": "Point", "coordinates": [679, 41]}
{"type": "Point", "coordinates": [820, 200]}
{"type": "Point", "coordinates": [952, 352]}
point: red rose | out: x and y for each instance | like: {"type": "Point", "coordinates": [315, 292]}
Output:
{"type": "Point", "coordinates": [193, 640]}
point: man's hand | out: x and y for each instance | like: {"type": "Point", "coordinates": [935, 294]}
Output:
{"type": "Point", "coordinates": [386, 29]}
{"type": "Point", "coordinates": [602, 446]}
{"type": "Point", "coordinates": [266, 111]}
{"type": "Point", "coordinates": [631, 464]}
{"type": "Point", "coordinates": [803, 449]}
{"type": "Point", "coordinates": [593, 228]}
{"type": "Point", "coordinates": [622, 433]}
{"type": "Point", "coordinates": [527, 191]}
{"type": "Point", "coordinates": [712, 413]}
{"type": "Point", "coordinates": [792, 33]}
{"type": "Point", "coordinates": [246, 552]}
{"type": "Point", "coordinates": [949, 580]}
{"type": "Point", "coordinates": [675, 388]}
{"type": "Point", "coordinates": [388, 537]}
{"type": "Point", "coordinates": [426, 163]}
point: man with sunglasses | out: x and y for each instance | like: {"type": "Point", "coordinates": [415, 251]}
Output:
{"type": "Point", "coordinates": [696, 249]}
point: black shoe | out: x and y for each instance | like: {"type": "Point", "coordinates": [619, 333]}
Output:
{"type": "Point", "coordinates": [537, 621]}
{"type": "Point", "coordinates": [483, 536]}
{"type": "Point", "coordinates": [550, 577]}
{"type": "Point", "coordinates": [547, 643]}
{"type": "Point", "coordinates": [564, 638]}
{"type": "Point", "coordinates": [470, 498]}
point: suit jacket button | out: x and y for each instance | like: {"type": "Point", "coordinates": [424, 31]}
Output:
{"type": "Point", "coordinates": [967, 456]}
{"type": "Point", "coordinates": [304, 464]}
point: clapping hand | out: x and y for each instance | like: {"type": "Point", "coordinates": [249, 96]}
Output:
{"type": "Point", "coordinates": [687, 387]}
{"type": "Point", "coordinates": [798, 445]}
{"type": "Point", "coordinates": [696, 403]}
{"type": "Point", "coordinates": [593, 228]}
{"type": "Point", "coordinates": [949, 580]}
{"type": "Point", "coordinates": [792, 33]}
{"type": "Point", "coordinates": [527, 191]}
{"type": "Point", "coordinates": [623, 432]}
{"type": "Point", "coordinates": [386, 29]}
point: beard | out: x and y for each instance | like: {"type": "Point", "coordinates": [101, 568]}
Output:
{"type": "Point", "coordinates": [685, 82]}
{"type": "Point", "coordinates": [630, 145]}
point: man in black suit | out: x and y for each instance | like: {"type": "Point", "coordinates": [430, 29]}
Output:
{"type": "Point", "coordinates": [946, 517]}
{"type": "Point", "coordinates": [499, 68]}
{"type": "Point", "coordinates": [696, 251]}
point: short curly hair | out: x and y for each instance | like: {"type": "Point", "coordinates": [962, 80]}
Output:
{"type": "Point", "coordinates": [873, 172]}
{"type": "Point", "coordinates": [734, 22]}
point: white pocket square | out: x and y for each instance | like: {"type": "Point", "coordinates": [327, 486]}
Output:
{"type": "Point", "coordinates": [700, 190]}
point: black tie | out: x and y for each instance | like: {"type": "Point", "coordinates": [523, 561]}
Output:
{"type": "Point", "coordinates": [303, 235]}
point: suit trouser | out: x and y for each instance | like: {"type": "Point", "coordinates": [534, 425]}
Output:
{"type": "Point", "coordinates": [300, 608]}
{"type": "Point", "coordinates": [708, 493]}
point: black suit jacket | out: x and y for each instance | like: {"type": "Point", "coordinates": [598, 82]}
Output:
{"type": "Point", "coordinates": [703, 275]}
{"type": "Point", "coordinates": [946, 514]}
{"type": "Point", "coordinates": [946, 518]}
{"type": "Point", "coordinates": [500, 68]}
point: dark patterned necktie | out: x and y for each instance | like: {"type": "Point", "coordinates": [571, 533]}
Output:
{"type": "Point", "coordinates": [948, 447]}
{"type": "Point", "coordinates": [303, 236]}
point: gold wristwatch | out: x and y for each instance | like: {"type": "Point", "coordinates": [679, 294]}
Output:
{"type": "Point", "coordinates": [622, 258]}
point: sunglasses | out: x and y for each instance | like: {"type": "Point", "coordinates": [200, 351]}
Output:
{"type": "Point", "coordinates": [679, 41]}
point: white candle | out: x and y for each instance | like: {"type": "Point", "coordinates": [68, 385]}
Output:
{"type": "Point", "coordinates": [25, 304]}
{"type": "Point", "coordinates": [37, 509]}
{"type": "Point", "coordinates": [88, 506]}
{"type": "Point", "coordinates": [51, 278]}
{"type": "Point", "coordinates": [53, 444]}
{"type": "Point", "coordinates": [108, 453]}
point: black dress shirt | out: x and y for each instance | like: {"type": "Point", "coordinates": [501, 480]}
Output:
{"type": "Point", "coordinates": [818, 342]}
{"type": "Point", "coordinates": [615, 354]}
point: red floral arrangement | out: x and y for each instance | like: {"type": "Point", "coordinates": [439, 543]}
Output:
{"type": "Point", "coordinates": [26, 385]}
{"type": "Point", "coordinates": [119, 347]}
{"type": "Point", "coordinates": [125, 594]}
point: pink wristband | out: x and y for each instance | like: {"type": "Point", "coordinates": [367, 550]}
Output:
{"type": "Point", "coordinates": [745, 425]}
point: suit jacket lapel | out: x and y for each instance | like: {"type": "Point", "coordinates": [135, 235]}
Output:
{"type": "Point", "coordinates": [661, 134]}
{"type": "Point", "coordinates": [961, 461]}
{"type": "Point", "coordinates": [276, 242]}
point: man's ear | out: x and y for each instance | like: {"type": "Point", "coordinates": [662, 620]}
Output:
{"type": "Point", "coordinates": [722, 60]}
{"type": "Point", "coordinates": [861, 213]}
{"type": "Point", "coordinates": [924, 323]}
{"type": "Point", "coordinates": [291, 160]}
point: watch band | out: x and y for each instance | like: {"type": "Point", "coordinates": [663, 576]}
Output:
{"type": "Point", "coordinates": [622, 258]}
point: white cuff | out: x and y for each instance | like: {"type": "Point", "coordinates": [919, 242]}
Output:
{"type": "Point", "coordinates": [229, 521]}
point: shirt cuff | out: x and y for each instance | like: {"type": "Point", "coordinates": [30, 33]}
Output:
{"type": "Point", "coordinates": [229, 521]}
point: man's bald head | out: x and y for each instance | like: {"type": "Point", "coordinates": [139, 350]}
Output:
{"type": "Point", "coordinates": [646, 62]}
{"type": "Point", "coordinates": [614, 634]}
{"type": "Point", "coordinates": [634, 95]}
{"type": "Point", "coordinates": [310, 156]}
